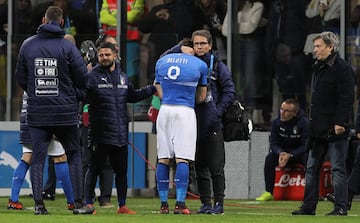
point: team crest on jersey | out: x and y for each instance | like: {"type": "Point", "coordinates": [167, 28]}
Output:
{"type": "Point", "coordinates": [122, 80]}
{"type": "Point", "coordinates": [295, 130]}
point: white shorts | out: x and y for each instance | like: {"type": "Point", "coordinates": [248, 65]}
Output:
{"type": "Point", "coordinates": [55, 148]}
{"type": "Point", "coordinates": [176, 132]}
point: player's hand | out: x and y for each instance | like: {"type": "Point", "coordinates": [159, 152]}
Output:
{"type": "Point", "coordinates": [283, 159]}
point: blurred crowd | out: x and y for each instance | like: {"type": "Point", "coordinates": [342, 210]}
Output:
{"type": "Point", "coordinates": [272, 39]}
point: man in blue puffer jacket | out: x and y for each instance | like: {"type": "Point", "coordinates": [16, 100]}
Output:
{"type": "Point", "coordinates": [50, 69]}
{"type": "Point", "coordinates": [108, 92]}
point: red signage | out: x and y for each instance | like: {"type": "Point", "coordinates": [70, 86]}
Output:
{"type": "Point", "coordinates": [290, 182]}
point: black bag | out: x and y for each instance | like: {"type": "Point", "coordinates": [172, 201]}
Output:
{"type": "Point", "coordinates": [237, 125]}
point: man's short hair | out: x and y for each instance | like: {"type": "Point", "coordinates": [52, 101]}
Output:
{"type": "Point", "coordinates": [54, 14]}
{"type": "Point", "coordinates": [186, 42]}
{"type": "Point", "coordinates": [330, 39]}
{"type": "Point", "coordinates": [293, 102]}
{"type": "Point", "coordinates": [202, 32]}
{"type": "Point", "coordinates": [107, 45]}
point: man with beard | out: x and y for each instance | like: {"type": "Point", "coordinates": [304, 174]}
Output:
{"type": "Point", "coordinates": [108, 93]}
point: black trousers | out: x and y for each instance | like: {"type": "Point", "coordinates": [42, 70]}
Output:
{"type": "Point", "coordinates": [271, 161]}
{"type": "Point", "coordinates": [354, 178]}
{"type": "Point", "coordinates": [50, 184]}
{"type": "Point", "coordinates": [209, 167]}
{"type": "Point", "coordinates": [118, 157]}
{"type": "Point", "coordinates": [70, 139]}
{"type": "Point", "coordinates": [106, 175]}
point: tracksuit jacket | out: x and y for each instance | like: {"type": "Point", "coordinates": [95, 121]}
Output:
{"type": "Point", "coordinates": [49, 69]}
{"type": "Point", "coordinates": [107, 95]}
{"type": "Point", "coordinates": [209, 114]}
{"type": "Point", "coordinates": [290, 136]}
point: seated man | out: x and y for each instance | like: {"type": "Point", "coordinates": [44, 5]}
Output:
{"type": "Point", "coordinates": [287, 143]}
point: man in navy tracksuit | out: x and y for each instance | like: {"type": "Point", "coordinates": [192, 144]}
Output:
{"type": "Point", "coordinates": [50, 69]}
{"type": "Point", "coordinates": [108, 92]}
{"type": "Point", "coordinates": [289, 132]}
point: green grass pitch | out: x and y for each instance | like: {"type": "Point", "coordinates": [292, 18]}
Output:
{"type": "Point", "coordinates": [148, 211]}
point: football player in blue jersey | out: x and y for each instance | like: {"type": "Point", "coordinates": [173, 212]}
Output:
{"type": "Point", "coordinates": [210, 148]}
{"type": "Point", "coordinates": [56, 152]}
{"type": "Point", "coordinates": [181, 81]}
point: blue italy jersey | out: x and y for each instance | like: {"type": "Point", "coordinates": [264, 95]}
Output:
{"type": "Point", "coordinates": [179, 74]}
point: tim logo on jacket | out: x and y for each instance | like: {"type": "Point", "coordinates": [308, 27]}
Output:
{"type": "Point", "coordinates": [46, 77]}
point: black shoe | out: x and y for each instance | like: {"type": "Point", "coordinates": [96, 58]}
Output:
{"type": "Point", "coordinates": [47, 196]}
{"type": "Point", "coordinates": [217, 209]}
{"type": "Point", "coordinates": [75, 205]}
{"type": "Point", "coordinates": [87, 209]}
{"type": "Point", "coordinates": [338, 211]}
{"type": "Point", "coordinates": [349, 205]}
{"type": "Point", "coordinates": [303, 211]}
{"type": "Point", "coordinates": [330, 197]}
{"type": "Point", "coordinates": [40, 209]}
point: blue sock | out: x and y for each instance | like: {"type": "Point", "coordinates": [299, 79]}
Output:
{"type": "Point", "coordinates": [162, 178]}
{"type": "Point", "coordinates": [63, 176]}
{"type": "Point", "coordinates": [181, 181]}
{"type": "Point", "coordinates": [18, 179]}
